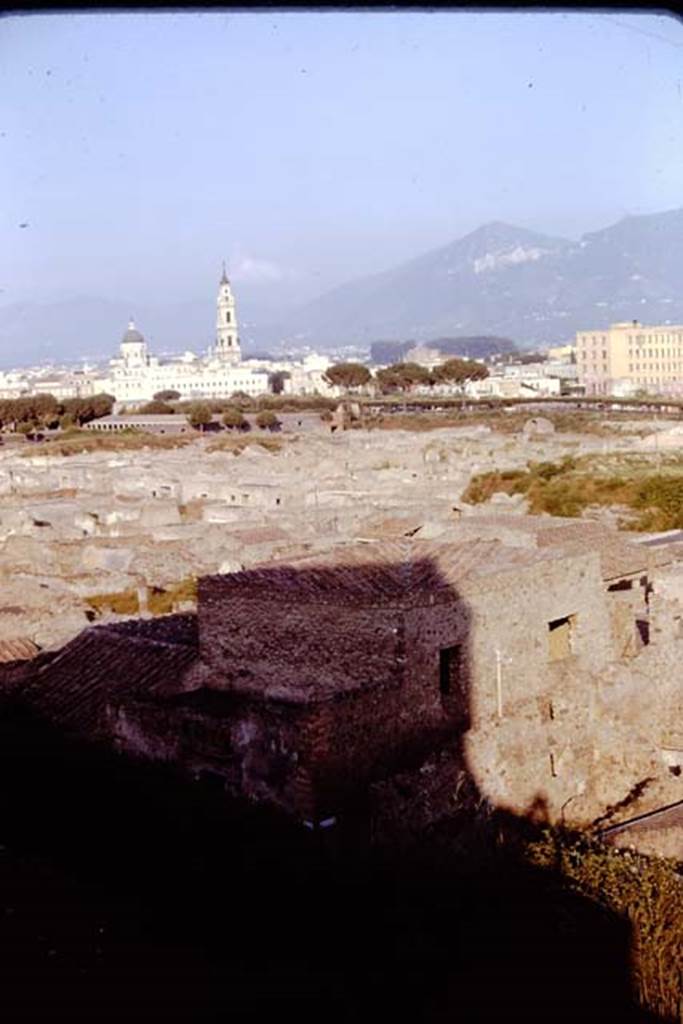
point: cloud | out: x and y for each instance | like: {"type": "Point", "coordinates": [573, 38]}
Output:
{"type": "Point", "coordinates": [249, 268]}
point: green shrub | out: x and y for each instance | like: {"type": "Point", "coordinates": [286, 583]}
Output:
{"type": "Point", "coordinates": [646, 891]}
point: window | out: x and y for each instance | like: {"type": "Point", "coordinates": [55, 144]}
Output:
{"type": "Point", "coordinates": [449, 668]}
{"type": "Point", "coordinates": [560, 633]}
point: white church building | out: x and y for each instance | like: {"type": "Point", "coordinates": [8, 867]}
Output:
{"type": "Point", "coordinates": [136, 375]}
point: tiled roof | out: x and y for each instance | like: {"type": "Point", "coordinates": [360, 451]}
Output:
{"type": "Point", "coordinates": [520, 523]}
{"type": "Point", "coordinates": [18, 649]}
{"type": "Point", "coordinates": [260, 535]}
{"type": "Point", "coordinates": [618, 557]}
{"type": "Point", "coordinates": [170, 629]}
{"type": "Point", "coordinates": [389, 526]}
{"type": "Point", "coordinates": [73, 687]}
{"type": "Point", "coordinates": [392, 572]}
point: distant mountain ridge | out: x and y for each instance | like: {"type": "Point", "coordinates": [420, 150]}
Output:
{"type": "Point", "coordinates": [499, 280]}
{"type": "Point", "coordinates": [470, 348]}
{"type": "Point", "coordinates": [508, 281]}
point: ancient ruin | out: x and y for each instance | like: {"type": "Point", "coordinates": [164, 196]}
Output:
{"type": "Point", "coordinates": [359, 639]}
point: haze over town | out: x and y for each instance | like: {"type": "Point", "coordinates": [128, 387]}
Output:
{"type": "Point", "coordinates": [307, 149]}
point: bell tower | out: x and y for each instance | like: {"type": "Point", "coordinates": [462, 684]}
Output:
{"type": "Point", "coordinates": [227, 342]}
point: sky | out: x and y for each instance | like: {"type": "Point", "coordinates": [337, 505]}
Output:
{"type": "Point", "coordinates": [139, 150]}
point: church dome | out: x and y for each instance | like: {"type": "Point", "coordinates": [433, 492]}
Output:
{"type": "Point", "coordinates": [132, 335]}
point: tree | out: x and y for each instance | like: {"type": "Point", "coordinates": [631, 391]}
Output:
{"type": "Point", "coordinates": [347, 375]}
{"type": "Point", "coordinates": [402, 377]}
{"type": "Point", "coordinates": [157, 407]}
{"type": "Point", "coordinates": [83, 410]}
{"type": "Point", "coordinates": [167, 396]}
{"type": "Point", "coordinates": [234, 419]}
{"type": "Point", "coordinates": [242, 399]}
{"type": "Point", "coordinates": [277, 380]}
{"type": "Point", "coordinates": [267, 420]}
{"type": "Point", "coordinates": [458, 371]}
{"type": "Point", "coordinates": [199, 415]}
{"type": "Point", "coordinates": [531, 357]}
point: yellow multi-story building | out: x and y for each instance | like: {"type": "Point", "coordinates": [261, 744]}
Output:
{"type": "Point", "coordinates": [630, 357]}
{"type": "Point", "coordinates": [561, 353]}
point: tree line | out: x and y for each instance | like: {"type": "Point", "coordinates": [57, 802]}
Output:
{"type": "Point", "coordinates": [404, 376]}
{"type": "Point", "coordinates": [45, 412]}
{"type": "Point", "coordinates": [32, 413]}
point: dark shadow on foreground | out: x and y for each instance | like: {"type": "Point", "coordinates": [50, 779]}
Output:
{"type": "Point", "coordinates": [128, 893]}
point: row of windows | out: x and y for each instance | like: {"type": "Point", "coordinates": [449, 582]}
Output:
{"type": "Point", "coordinates": [655, 352]}
{"type": "Point", "coordinates": [638, 339]}
{"type": "Point", "coordinates": [664, 367]}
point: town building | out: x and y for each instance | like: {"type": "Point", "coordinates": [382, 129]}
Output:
{"type": "Point", "coordinates": [135, 375]}
{"type": "Point", "coordinates": [159, 423]}
{"type": "Point", "coordinates": [630, 357]}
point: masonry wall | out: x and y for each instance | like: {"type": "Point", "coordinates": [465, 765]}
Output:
{"type": "Point", "coordinates": [259, 752]}
{"type": "Point", "coordinates": [509, 649]}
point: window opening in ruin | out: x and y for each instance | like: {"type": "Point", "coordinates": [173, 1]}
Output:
{"type": "Point", "coordinates": [643, 631]}
{"type": "Point", "coordinates": [449, 668]}
{"type": "Point", "coordinates": [621, 585]}
{"type": "Point", "coordinates": [678, 627]}
{"type": "Point", "coordinates": [560, 637]}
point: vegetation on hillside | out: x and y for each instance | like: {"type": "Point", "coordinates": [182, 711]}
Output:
{"type": "Point", "coordinates": [650, 491]}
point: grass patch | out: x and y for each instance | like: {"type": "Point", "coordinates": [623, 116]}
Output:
{"type": "Point", "coordinates": [502, 421]}
{"type": "Point", "coordinates": [78, 441]}
{"type": "Point", "coordinates": [160, 600]}
{"type": "Point", "coordinates": [121, 602]}
{"type": "Point", "coordinates": [569, 487]}
{"type": "Point", "coordinates": [236, 445]}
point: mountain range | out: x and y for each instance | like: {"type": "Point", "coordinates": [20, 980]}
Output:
{"type": "Point", "coordinates": [498, 280]}
{"type": "Point", "coordinates": [507, 281]}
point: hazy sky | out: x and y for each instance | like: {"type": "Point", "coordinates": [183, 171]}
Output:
{"type": "Point", "coordinates": [309, 147]}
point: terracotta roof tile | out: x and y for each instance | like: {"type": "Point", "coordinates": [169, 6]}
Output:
{"type": "Point", "coordinates": [18, 649]}
{"type": "Point", "coordinates": [73, 687]}
{"type": "Point", "coordinates": [390, 572]}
